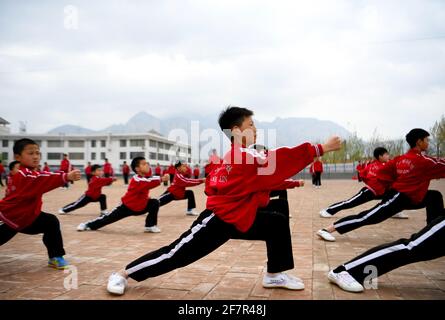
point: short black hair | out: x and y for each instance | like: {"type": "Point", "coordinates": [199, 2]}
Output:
{"type": "Point", "coordinates": [135, 163]}
{"type": "Point", "coordinates": [12, 164]}
{"type": "Point", "coordinates": [21, 144]}
{"type": "Point", "coordinates": [94, 167]}
{"type": "Point", "coordinates": [414, 135]}
{"type": "Point", "coordinates": [178, 164]}
{"type": "Point", "coordinates": [379, 151]}
{"type": "Point", "coordinates": [233, 116]}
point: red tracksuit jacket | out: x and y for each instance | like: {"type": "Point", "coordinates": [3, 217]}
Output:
{"type": "Point", "coordinates": [108, 169]}
{"type": "Point", "coordinates": [318, 166]}
{"type": "Point", "coordinates": [126, 169]}
{"type": "Point", "coordinates": [196, 172]}
{"type": "Point", "coordinates": [369, 177]}
{"type": "Point", "coordinates": [23, 202]}
{"type": "Point", "coordinates": [95, 186]}
{"type": "Point", "coordinates": [411, 173]}
{"type": "Point", "coordinates": [137, 195]}
{"type": "Point", "coordinates": [158, 171]}
{"type": "Point", "coordinates": [238, 188]}
{"type": "Point", "coordinates": [65, 165]}
{"type": "Point", "coordinates": [180, 182]}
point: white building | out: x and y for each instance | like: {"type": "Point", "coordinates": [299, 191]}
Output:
{"type": "Point", "coordinates": [94, 148]}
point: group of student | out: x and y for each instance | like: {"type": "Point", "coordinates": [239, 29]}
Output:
{"type": "Point", "coordinates": [239, 188]}
{"type": "Point", "coordinates": [399, 184]}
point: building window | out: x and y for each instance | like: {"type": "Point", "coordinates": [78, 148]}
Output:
{"type": "Point", "coordinates": [5, 143]}
{"type": "Point", "coordinates": [76, 155]}
{"type": "Point", "coordinates": [136, 154]}
{"type": "Point", "coordinates": [123, 155]}
{"type": "Point", "coordinates": [103, 143]}
{"type": "Point", "coordinates": [123, 143]}
{"type": "Point", "coordinates": [76, 144]}
{"type": "Point", "coordinates": [93, 155]}
{"type": "Point", "coordinates": [4, 155]}
{"type": "Point", "coordinates": [54, 156]}
{"type": "Point", "coordinates": [161, 145]}
{"type": "Point", "coordinates": [160, 156]}
{"type": "Point", "coordinates": [55, 144]}
{"type": "Point", "coordinates": [153, 144]}
{"type": "Point", "coordinates": [137, 143]}
{"type": "Point", "coordinates": [93, 143]}
{"type": "Point", "coordinates": [190, 150]}
{"type": "Point", "coordinates": [102, 156]}
{"type": "Point", "coordinates": [166, 157]}
{"type": "Point", "coordinates": [190, 160]}
{"type": "Point", "coordinates": [152, 155]}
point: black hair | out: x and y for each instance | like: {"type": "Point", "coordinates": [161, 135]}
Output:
{"type": "Point", "coordinates": [379, 151]}
{"type": "Point", "coordinates": [414, 135]}
{"type": "Point", "coordinates": [12, 164]}
{"type": "Point", "coordinates": [135, 163]}
{"type": "Point", "coordinates": [233, 116]}
{"type": "Point", "coordinates": [21, 144]}
{"type": "Point", "coordinates": [94, 167]}
{"type": "Point", "coordinates": [178, 164]}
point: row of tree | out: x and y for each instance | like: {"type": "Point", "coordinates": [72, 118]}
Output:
{"type": "Point", "coordinates": [355, 149]}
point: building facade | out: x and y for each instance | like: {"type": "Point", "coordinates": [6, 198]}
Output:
{"type": "Point", "coordinates": [94, 148]}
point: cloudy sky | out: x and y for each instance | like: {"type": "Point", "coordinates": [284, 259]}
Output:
{"type": "Point", "coordinates": [364, 64]}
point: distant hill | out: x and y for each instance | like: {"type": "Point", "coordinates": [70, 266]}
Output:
{"type": "Point", "coordinates": [289, 131]}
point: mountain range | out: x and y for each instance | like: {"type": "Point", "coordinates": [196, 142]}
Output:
{"type": "Point", "coordinates": [289, 131]}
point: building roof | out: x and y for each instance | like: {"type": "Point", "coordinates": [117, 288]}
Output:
{"type": "Point", "coordinates": [3, 121]}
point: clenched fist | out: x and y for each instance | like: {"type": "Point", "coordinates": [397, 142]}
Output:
{"type": "Point", "coordinates": [73, 175]}
{"type": "Point", "coordinates": [332, 144]}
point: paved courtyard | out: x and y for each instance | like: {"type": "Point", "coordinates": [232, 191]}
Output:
{"type": "Point", "coordinates": [234, 271]}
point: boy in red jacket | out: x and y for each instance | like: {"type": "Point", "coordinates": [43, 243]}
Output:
{"type": "Point", "coordinates": [237, 208]}
{"type": "Point", "coordinates": [93, 194]}
{"type": "Point", "coordinates": [177, 191]}
{"type": "Point", "coordinates": [196, 172]}
{"type": "Point", "coordinates": [21, 209]}
{"type": "Point", "coordinates": [135, 202]}
{"type": "Point", "coordinates": [409, 176]}
{"type": "Point", "coordinates": [108, 169]}
{"type": "Point", "coordinates": [125, 172]}
{"type": "Point", "coordinates": [65, 167]}
{"type": "Point", "coordinates": [317, 171]}
{"type": "Point", "coordinates": [373, 189]}
{"type": "Point", "coordinates": [88, 172]}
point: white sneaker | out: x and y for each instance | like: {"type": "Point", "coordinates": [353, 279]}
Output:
{"type": "Point", "coordinates": [62, 212]}
{"type": "Point", "coordinates": [83, 227]}
{"type": "Point", "coordinates": [325, 235]}
{"type": "Point", "coordinates": [283, 280]}
{"type": "Point", "coordinates": [325, 214]}
{"type": "Point", "coordinates": [191, 213]}
{"type": "Point", "coordinates": [400, 215]}
{"type": "Point", "coordinates": [117, 284]}
{"type": "Point", "coordinates": [345, 281]}
{"type": "Point", "coordinates": [104, 213]}
{"type": "Point", "coordinates": [154, 229]}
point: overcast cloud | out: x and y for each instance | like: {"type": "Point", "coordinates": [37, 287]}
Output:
{"type": "Point", "coordinates": [362, 64]}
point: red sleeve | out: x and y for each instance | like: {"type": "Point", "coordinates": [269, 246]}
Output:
{"type": "Point", "coordinates": [283, 163]}
{"type": "Point", "coordinates": [182, 181]}
{"type": "Point", "coordinates": [151, 183]}
{"type": "Point", "coordinates": [287, 184]}
{"type": "Point", "coordinates": [435, 167]}
{"type": "Point", "coordinates": [42, 183]}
